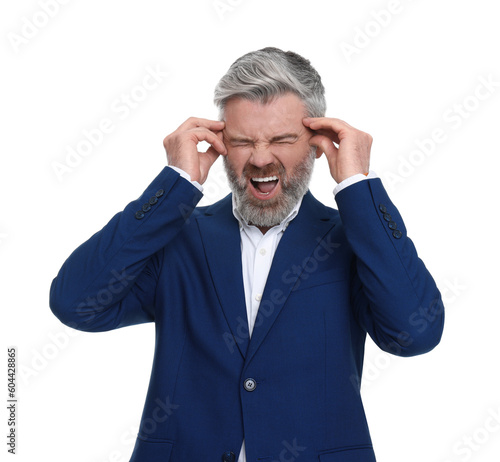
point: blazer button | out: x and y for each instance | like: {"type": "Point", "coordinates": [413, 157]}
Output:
{"type": "Point", "coordinates": [249, 384]}
{"type": "Point", "coordinates": [153, 200]}
{"type": "Point", "coordinates": [397, 234]}
{"type": "Point", "coordinates": [159, 193]}
{"type": "Point", "coordinates": [387, 217]}
{"type": "Point", "coordinates": [139, 215]}
{"type": "Point", "coordinates": [382, 208]}
{"type": "Point", "coordinates": [228, 456]}
{"type": "Point", "coordinates": [392, 225]}
{"type": "Point", "coordinates": [146, 207]}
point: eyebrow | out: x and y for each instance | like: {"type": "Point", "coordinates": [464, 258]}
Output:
{"type": "Point", "coordinates": [284, 136]}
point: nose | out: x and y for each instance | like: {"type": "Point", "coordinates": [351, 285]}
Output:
{"type": "Point", "coordinates": [261, 155]}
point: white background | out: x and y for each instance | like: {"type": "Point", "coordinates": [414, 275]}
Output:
{"type": "Point", "coordinates": [81, 395]}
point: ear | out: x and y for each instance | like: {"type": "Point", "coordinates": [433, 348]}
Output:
{"type": "Point", "coordinates": [319, 152]}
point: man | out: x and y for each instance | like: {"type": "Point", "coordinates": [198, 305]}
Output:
{"type": "Point", "coordinates": [261, 301]}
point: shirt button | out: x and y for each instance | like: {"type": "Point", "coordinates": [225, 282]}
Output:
{"type": "Point", "coordinates": [258, 297]}
{"type": "Point", "coordinates": [249, 384]}
{"type": "Point", "coordinates": [262, 252]}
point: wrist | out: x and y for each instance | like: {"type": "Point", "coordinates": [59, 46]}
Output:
{"type": "Point", "coordinates": [352, 180]}
{"type": "Point", "coordinates": [187, 176]}
{"type": "Point", "coordinates": [349, 174]}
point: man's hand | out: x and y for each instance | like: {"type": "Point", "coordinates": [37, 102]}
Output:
{"type": "Point", "coordinates": [182, 147]}
{"type": "Point", "coordinates": [352, 155]}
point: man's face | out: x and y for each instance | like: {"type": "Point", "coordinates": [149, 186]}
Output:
{"type": "Point", "coordinates": [269, 161]}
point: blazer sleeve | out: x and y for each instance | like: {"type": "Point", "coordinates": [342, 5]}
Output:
{"type": "Point", "coordinates": [394, 296]}
{"type": "Point", "coordinates": [110, 280]}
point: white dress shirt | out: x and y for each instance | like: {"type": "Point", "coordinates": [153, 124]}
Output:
{"type": "Point", "coordinates": [257, 252]}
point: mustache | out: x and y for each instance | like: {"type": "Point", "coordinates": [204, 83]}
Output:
{"type": "Point", "coordinates": [251, 171]}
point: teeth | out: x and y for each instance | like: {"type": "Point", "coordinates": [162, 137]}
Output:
{"type": "Point", "coordinates": [261, 180]}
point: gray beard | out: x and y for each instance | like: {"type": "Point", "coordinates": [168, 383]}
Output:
{"type": "Point", "coordinates": [269, 213]}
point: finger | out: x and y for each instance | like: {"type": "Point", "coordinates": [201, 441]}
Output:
{"type": "Point", "coordinates": [317, 129]}
{"type": "Point", "coordinates": [202, 134]}
{"type": "Point", "coordinates": [194, 122]}
{"type": "Point", "coordinates": [328, 133]}
{"type": "Point", "coordinates": [329, 123]}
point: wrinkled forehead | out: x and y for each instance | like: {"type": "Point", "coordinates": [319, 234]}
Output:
{"type": "Point", "coordinates": [257, 120]}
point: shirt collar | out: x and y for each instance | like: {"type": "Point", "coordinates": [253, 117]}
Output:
{"type": "Point", "coordinates": [279, 227]}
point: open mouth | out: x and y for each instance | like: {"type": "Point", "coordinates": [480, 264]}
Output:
{"type": "Point", "coordinates": [264, 187]}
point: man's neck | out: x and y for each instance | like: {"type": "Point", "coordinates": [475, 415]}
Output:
{"type": "Point", "coordinates": [263, 229]}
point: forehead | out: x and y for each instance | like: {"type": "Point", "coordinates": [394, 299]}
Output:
{"type": "Point", "coordinates": [254, 119]}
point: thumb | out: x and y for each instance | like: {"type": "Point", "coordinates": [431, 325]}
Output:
{"type": "Point", "coordinates": [323, 145]}
{"type": "Point", "coordinates": [207, 159]}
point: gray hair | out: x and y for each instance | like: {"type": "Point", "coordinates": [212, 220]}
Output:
{"type": "Point", "coordinates": [270, 72]}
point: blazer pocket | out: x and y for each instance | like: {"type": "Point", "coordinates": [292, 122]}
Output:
{"type": "Point", "coordinates": [357, 454]}
{"type": "Point", "coordinates": [151, 450]}
{"type": "Point", "coordinates": [317, 278]}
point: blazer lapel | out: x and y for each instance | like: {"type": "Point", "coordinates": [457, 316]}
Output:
{"type": "Point", "coordinates": [221, 239]}
{"type": "Point", "coordinates": [297, 244]}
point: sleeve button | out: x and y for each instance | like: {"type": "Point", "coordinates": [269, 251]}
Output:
{"type": "Point", "coordinates": [153, 200]}
{"type": "Point", "coordinates": [139, 215]}
{"type": "Point", "coordinates": [397, 234]}
{"type": "Point", "coordinates": [393, 225]}
{"type": "Point", "coordinates": [159, 193]}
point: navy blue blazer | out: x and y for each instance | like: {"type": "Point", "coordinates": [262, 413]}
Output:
{"type": "Point", "coordinates": [293, 389]}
